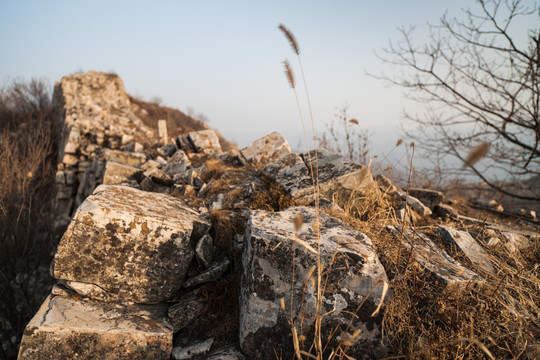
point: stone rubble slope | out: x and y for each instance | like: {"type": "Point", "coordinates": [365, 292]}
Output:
{"type": "Point", "coordinates": [168, 255]}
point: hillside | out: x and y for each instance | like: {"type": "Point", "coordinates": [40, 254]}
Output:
{"type": "Point", "coordinates": [196, 250]}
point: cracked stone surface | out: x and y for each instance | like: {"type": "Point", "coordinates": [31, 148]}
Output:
{"type": "Point", "coordinates": [436, 260]}
{"type": "Point", "coordinates": [267, 149]}
{"type": "Point", "coordinates": [133, 244]}
{"type": "Point", "coordinates": [478, 256]}
{"type": "Point", "coordinates": [337, 177]}
{"type": "Point", "coordinates": [205, 141]}
{"type": "Point", "coordinates": [117, 173]}
{"type": "Point", "coordinates": [65, 328]}
{"type": "Point", "coordinates": [272, 245]}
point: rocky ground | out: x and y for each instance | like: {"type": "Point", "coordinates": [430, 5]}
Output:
{"type": "Point", "coordinates": [182, 250]}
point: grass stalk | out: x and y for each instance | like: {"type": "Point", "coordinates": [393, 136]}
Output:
{"type": "Point", "coordinates": [315, 181]}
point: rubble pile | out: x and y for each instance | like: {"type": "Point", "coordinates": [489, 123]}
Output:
{"type": "Point", "coordinates": [166, 256]}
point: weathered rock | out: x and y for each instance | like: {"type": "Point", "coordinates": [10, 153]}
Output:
{"type": "Point", "coordinates": [386, 185]}
{"type": "Point", "coordinates": [266, 149]}
{"type": "Point", "coordinates": [178, 163]}
{"type": "Point", "coordinates": [133, 244]}
{"type": "Point", "coordinates": [169, 149]}
{"type": "Point", "coordinates": [188, 308]}
{"type": "Point", "coordinates": [65, 328]}
{"type": "Point", "coordinates": [158, 176]}
{"type": "Point", "coordinates": [217, 204]}
{"type": "Point", "coordinates": [162, 131]}
{"type": "Point", "coordinates": [437, 261]}
{"type": "Point", "coordinates": [469, 246]}
{"type": "Point", "coordinates": [71, 147]}
{"type": "Point", "coordinates": [291, 172]}
{"type": "Point", "coordinates": [428, 197]}
{"type": "Point", "coordinates": [213, 273]}
{"type": "Point", "coordinates": [126, 139]}
{"type": "Point", "coordinates": [273, 243]}
{"type": "Point", "coordinates": [116, 173]}
{"type": "Point", "coordinates": [516, 242]}
{"type": "Point", "coordinates": [124, 157]}
{"type": "Point", "coordinates": [205, 141]}
{"type": "Point", "coordinates": [70, 159]}
{"type": "Point", "coordinates": [193, 179]}
{"type": "Point", "coordinates": [337, 177]}
{"type": "Point", "coordinates": [182, 142]}
{"type": "Point", "coordinates": [226, 353]}
{"type": "Point", "coordinates": [445, 212]}
{"type": "Point", "coordinates": [86, 290]}
{"type": "Point", "coordinates": [415, 204]}
{"type": "Point", "coordinates": [150, 164]}
{"type": "Point", "coordinates": [147, 184]}
{"type": "Point", "coordinates": [405, 214]}
{"type": "Point", "coordinates": [189, 352]}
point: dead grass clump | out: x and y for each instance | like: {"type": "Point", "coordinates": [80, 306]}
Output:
{"type": "Point", "coordinates": [424, 320]}
{"type": "Point", "coordinates": [272, 196]}
{"type": "Point", "coordinates": [215, 169]}
{"type": "Point", "coordinates": [226, 225]}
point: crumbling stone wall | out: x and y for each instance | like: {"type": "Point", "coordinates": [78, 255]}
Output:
{"type": "Point", "coordinates": [92, 114]}
{"type": "Point", "coordinates": [143, 271]}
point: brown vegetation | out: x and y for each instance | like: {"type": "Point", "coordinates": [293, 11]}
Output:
{"type": "Point", "coordinates": [27, 165]}
{"type": "Point", "coordinates": [421, 318]}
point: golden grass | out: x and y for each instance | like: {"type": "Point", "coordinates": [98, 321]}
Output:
{"type": "Point", "coordinates": [422, 319]}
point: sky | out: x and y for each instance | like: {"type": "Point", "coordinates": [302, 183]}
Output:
{"type": "Point", "coordinates": [224, 58]}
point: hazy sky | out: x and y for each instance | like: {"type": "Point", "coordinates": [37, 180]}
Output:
{"type": "Point", "coordinates": [224, 58]}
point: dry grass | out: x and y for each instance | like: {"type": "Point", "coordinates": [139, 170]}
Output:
{"type": "Point", "coordinates": [27, 168]}
{"type": "Point", "coordinates": [424, 320]}
{"type": "Point", "coordinates": [272, 196]}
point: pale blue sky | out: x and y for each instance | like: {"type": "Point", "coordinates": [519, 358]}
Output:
{"type": "Point", "coordinates": [224, 58]}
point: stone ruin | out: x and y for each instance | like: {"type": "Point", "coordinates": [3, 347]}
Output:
{"type": "Point", "coordinates": [137, 265]}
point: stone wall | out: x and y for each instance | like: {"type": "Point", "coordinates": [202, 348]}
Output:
{"type": "Point", "coordinates": [93, 114]}
{"type": "Point", "coordinates": [170, 253]}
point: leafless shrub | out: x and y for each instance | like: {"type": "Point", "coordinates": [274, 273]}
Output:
{"type": "Point", "coordinates": [27, 165]}
{"type": "Point", "coordinates": [345, 136]}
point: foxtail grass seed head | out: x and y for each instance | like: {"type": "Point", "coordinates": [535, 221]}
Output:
{"type": "Point", "coordinates": [315, 226]}
{"type": "Point", "coordinates": [292, 40]}
{"type": "Point", "coordinates": [298, 222]}
{"type": "Point", "coordinates": [476, 154]}
{"type": "Point", "coordinates": [289, 73]}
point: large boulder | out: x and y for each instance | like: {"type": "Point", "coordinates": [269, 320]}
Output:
{"type": "Point", "coordinates": [133, 244]}
{"type": "Point", "coordinates": [279, 284]}
{"type": "Point", "coordinates": [66, 328]}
